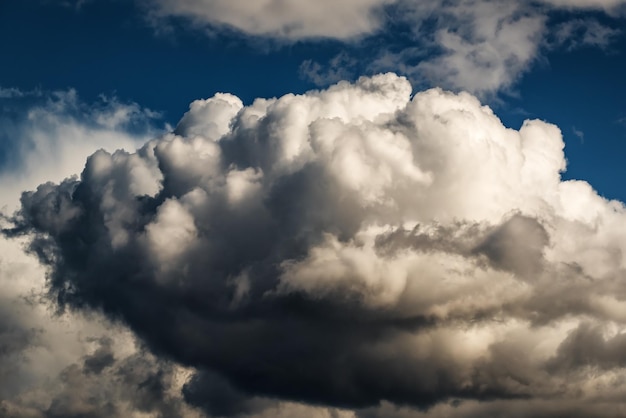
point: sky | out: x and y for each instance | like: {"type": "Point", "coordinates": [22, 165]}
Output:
{"type": "Point", "coordinates": [278, 208]}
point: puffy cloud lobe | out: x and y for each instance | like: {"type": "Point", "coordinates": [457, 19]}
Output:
{"type": "Point", "coordinates": [49, 139]}
{"type": "Point", "coordinates": [348, 247]}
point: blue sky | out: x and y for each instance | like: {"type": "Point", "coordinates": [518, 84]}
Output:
{"type": "Point", "coordinates": [329, 208]}
{"type": "Point", "coordinates": [111, 48]}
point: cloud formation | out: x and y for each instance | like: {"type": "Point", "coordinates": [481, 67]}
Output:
{"type": "Point", "coordinates": [354, 247]}
{"type": "Point", "coordinates": [486, 45]}
{"type": "Point", "coordinates": [481, 46]}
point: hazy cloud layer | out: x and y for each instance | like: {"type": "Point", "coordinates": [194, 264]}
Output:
{"type": "Point", "coordinates": [353, 247]}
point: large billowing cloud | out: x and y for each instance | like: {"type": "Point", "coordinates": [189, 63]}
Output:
{"type": "Point", "coordinates": [354, 247]}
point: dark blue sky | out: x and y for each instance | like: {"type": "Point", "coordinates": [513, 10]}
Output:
{"type": "Point", "coordinates": [108, 47]}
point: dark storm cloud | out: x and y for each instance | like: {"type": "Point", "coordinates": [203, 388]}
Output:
{"type": "Point", "coordinates": [219, 398]}
{"type": "Point", "coordinates": [347, 247]}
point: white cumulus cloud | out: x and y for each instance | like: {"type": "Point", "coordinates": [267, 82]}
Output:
{"type": "Point", "coordinates": [355, 247]}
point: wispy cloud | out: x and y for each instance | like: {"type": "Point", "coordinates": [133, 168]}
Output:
{"type": "Point", "coordinates": [482, 46]}
{"type": "Point", "coordinates": [589, 32]}
{"type": "Point", "coordinates": [15, 93]}
{"type": "Point", "coordinates": [580, 134]}
{"type": "Point", "coordinates": [338, 68]}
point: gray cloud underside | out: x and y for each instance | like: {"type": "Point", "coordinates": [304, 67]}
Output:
{"type": "Point", "coordinates": [353, 247]}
